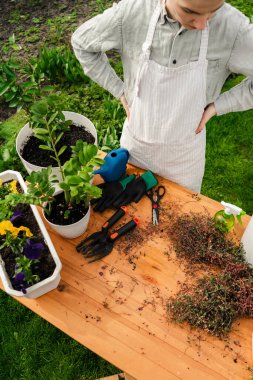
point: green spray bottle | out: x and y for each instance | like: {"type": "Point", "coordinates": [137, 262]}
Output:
{"type": "Point", "coordinates": [225, 219]}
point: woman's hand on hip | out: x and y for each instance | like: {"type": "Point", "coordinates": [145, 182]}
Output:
{"type": "Point", "coordinates": [125, 105]}
{"type": "Point", "coordinates": [209, 112]}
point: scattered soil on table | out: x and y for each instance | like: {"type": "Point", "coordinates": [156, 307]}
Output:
{"type": "Point", "coordinates": [59, 208]}
{"type": "Point", "coordinates": [46, 265]}
{"type": "Point", "coordinates": [40, 157]}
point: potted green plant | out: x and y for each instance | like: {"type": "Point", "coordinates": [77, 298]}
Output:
{"type": "Point", "coordinates": [67, 210]}
{"type": "Point", "coordinates": [50, 132]}
{"type": "Point", "coordinates": [29, 264]}
{"type": "Point", "coordinates": [46, 139]}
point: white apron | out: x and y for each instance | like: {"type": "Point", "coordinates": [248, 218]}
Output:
{"type": "Point", "coordinates": [166, 110]}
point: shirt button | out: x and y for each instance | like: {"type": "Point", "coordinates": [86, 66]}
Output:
{"type": "Point", "coordinates": [174, 61]}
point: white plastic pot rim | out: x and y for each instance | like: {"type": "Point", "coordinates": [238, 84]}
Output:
{"type": "Point", "coordinates": [26, 131]}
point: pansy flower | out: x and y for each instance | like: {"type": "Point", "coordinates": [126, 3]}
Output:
{"type": "Point", "coordinates": [16, 216]}
{"type": "Point", "coordinates": [6, 225]}
{"type": "Point", "coordinates": [13, 187]}
{"type": "Point", "coordinates": [32, 249]}
{"type": "Point", "coordinates": [20, 282]}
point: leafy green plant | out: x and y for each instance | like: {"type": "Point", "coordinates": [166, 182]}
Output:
{"type": "Point", "coordinates": [59, 65]}
{"type": "Point", "coordinates": [108, 139]}
{"type": "Point", "coordinates": [6, 210]}
{"type": "Point", "coordinates": [40, 191]}
{"type": "Point", "coordinates": [114, 108]}
{"type": "Point", "coordinates": [20, 84]}
{"type": "Point", "coordinates": [15, 243]}
{"type": "Point", "coordinates": [23, 269]}
{"type": "Point", "coordinates": [77, 175]}
{"type": "Point", "coordinates": [18, 87]}
{"type": "Point", "coordinates": [14, 92]}
{"type": "Point", "coordinates": [49, 124]}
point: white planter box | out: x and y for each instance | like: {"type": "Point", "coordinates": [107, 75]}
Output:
{"type": "Point", "coordinates": [49, 283]}
{"type": "Point", "coordinates": [26, 131]}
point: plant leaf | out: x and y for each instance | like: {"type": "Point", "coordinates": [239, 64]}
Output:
{"type": "Point", "coordinates": [4, 88]}
{"type": "Point", "coordinates": [62, 150]}
{"type": "Point", "coordinates": [45, 147]}
{"type": "Point", "coordinates": [40, 108]}
{"type": "Point", "coordinates": [58, 138]}
{"type": "Point", "coordinates": [74, 180]}
{"type": "Point", "coordinates": [41, 131]}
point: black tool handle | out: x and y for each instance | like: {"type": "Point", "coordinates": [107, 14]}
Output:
{"type": "Point", "coordinates": [114, 218]}
{"type": "Point", "coordinates": [124, 229]}
{"type": "Point", "coordinates": [160, 192]}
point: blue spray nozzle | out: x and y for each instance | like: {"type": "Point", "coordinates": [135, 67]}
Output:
{"type": "Point", "coordinates": [115, 165]}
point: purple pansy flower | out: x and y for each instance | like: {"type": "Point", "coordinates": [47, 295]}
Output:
{"type": "Point", "coordinates": [20, 277]}
{"type": "Point", "coordinates": [20, 282]}
{"type": "Point", "coordinates": [16, 216]}
{"type": "Point", "coordinates": [32, 249]}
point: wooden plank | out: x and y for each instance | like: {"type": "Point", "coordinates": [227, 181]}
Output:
{"type": "Point", "coordinates": [117, 307]}
{"type": "Point", "coordinates": [128, 377]}
{"type": "Point", "coordinates": [156, 325]}
{"type": "Point", "coordinates": [120, 376]}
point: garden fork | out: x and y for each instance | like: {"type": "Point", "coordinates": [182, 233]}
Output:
{"type": "Point", "coordinates": [103, 248]}
{"type": "Point", "coordinates": [100, 236]}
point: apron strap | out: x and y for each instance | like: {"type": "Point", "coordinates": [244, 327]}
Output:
{"type": "Point", "coordinates": [151, 30]}
{"type": "Point", "coordinates": [146, 47]}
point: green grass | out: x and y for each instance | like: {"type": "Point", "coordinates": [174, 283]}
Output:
{"type": "Point", "coordinates": [30, 347]}
{"type": "Point", "coordinates": [229, 160]}
{"type": "Point", "coordinates": [8, 131]}
{"type": "Point", "coordinates": [33, 349]}
{"type": "Point", "coordinates": [245, 6]}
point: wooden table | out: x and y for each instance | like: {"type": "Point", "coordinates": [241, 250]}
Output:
{"type": "Point", "coordinates": [117, 307]}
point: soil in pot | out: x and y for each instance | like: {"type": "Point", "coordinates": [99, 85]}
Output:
{"type": "Point", "coordinates": [46, 265]}
{"type": "Point", "coordinates": [40, 157]}
{"type": "Point", "coordinates": [63, 214]}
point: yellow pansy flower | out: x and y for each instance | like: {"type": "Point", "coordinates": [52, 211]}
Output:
{"type": "Point", "coordinates": [13, 187]}
{"type": "Point", "coordinates": [6, 225]}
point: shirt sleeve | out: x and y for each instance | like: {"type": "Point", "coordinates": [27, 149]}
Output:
{"type": "Point", "coordinates": [240, 97]}
{"type": "Point", "coordinates": [90, 42]}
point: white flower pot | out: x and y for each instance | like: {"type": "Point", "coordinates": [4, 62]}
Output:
{"type": "Point", "coordinates": [71, 231]}
{"type": "Point", "coordinates": [26, 132]}
{"type": "Point", "coordinates": [49, 283]}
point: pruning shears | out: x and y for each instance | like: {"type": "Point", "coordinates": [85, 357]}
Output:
{"type": "Point", "coordinates": [155, 196]}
